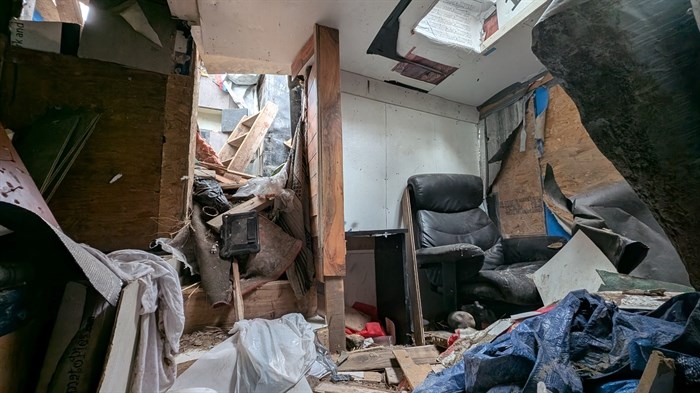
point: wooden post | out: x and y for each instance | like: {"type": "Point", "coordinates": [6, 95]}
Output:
{"type": "Point", "coordinates": [411, 272]}
{"type": "Point", "coordinates": [237, 295]}
{"type": "Point", "coordinates": [325, 157]}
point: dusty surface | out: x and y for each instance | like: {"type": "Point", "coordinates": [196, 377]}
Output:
{"type": "Point", "coordinates": [203, 339]}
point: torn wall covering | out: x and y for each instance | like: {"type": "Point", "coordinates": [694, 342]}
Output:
{"type": "Point", "coordinates": [638, 96]}
{"type": "Point", "coordinates": [588, 193]}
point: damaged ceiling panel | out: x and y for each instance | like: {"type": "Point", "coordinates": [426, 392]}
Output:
{"type": "Point", "coordinates": [269, 34]}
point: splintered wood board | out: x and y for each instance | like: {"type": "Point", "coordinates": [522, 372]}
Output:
{"type": "Point", "coordinates": [380, 358]}
{"type": "Point", "coordinates": [254, 138]}
{"type": "Point", "coordinates": [414, 373]}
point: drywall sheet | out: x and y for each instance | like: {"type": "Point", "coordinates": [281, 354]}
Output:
{"type": "Point", "coordinates": [385, 144]}
{"type": "Point", "coordinates": [574, 267]}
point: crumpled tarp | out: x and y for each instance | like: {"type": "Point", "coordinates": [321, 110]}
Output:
{"type": "Point", "coordinates": [623, 227]}
{"type": "Point", "coordinates": [583, 343]}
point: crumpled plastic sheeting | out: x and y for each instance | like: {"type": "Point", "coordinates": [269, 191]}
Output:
{"type": "Point", "coordinates": [262, 356]}
{"type": "Point", "coordinates": [583, 342]}
{"type": "Point", "coordinates": [162, 315]}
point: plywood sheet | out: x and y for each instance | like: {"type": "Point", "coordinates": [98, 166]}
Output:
{"type": "Point", "coordinates": [577, 163]}
{"type": "Point", "coordinates": [128, 140]}
{"type": "Point", "coordinates": [519, 187]}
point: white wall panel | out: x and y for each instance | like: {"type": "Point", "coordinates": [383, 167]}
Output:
{"type": "Point", "coordinates": [385, 144]}
{"type": "Point", "coordinates": [410, 150]}
{"type": "Point", "coordinates": [364, 163]}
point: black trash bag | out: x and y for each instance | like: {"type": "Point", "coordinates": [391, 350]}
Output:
{"type": "Point", "coordinates": [208, 193]}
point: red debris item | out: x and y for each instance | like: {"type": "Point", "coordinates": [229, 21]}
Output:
{"type": "Point", "coordinates": [452, 340]}
{"type": "Point", "coordinates": [372, 329]}
{"type": "Point", "coordinates": [204, 152]}
{"type": "Point", "coordinates": [367, 309]}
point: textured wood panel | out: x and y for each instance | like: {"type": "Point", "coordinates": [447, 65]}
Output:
{"type": "Point", "coordinates": [519, 187]}
{"type": "Point", "coordinates": [128, 140]}
{"type": "Point", "coordinates": [577, 163]}
{"type": "Point", "coordinates": [177, 163]}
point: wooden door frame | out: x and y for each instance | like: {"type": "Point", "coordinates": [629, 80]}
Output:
{"type": "Point", "coordinates": [319, 60]}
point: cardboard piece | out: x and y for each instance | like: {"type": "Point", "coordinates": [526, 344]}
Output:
{"type": "Point", "coordinates": [573, 267]}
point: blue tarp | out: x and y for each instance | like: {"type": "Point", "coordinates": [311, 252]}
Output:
{"type": "Point", "coordinates": [584, 342]}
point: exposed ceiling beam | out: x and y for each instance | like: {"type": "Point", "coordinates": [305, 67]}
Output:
{"type": "Point", "coordinates": [47, 9]}
{"type": "Point", "coordinates": [69, 11]}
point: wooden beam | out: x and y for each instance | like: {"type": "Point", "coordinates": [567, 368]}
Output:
{"type": "Point", "coordinates": [378, 358]}
{"type": "Point", "coordinates": [272, 300]}
{"type": "Point", "coordinates": [411, 272]}
{"type": "Point", "coordinates": [257, 204]}
{"type": "Point", "coordinates": [414, 373]}
{"type": "Point", "coordinates": [334, 308]}
{"type": "Point", "coordinates": [47, 9]}
{"type": "Point", "coordinates": [659, 375]}
{"type": "Point", "coordinates": [303, 56]}
{"type": "Point", "coordinates": [238, 305]}
{"type": "Point", "coordinates": [69, 11]}
{"type": "Point", "coordinates": [178, 140]}
{"type": "Point", "coordinates": [122, 347]}
{"type": "Point", "coordinates": [330, 152]}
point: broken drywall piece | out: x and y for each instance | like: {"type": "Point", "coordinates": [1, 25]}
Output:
{"type": "Point", "coordinates": [135, 17]}
{"type": "Point", "coordinates": [574, 267]}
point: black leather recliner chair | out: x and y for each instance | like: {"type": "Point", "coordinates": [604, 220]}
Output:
{"type": "Point", "coordinates": [462, 250]}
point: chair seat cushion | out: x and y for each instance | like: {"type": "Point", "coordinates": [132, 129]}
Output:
{"type": "Point", "coordinates": [509, 284]}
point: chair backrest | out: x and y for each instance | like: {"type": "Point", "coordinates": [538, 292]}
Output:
{"type": "Point", "coordinates": [446, 211]}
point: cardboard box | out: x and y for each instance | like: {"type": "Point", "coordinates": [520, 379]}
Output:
{"type": "Point", "coordinates": [56, 37]}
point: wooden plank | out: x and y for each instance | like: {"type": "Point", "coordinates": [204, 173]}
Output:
{"type": "Point", "coordinates": [254, 138]}
{"type": "Point", "coordinates": [379, 358]}
{"type": "Point", "coordinates": [394, 375]}
{"type": "Point", "coordinates": [414, 373]}
{"type": "Point", "coordinates": [70, 314]}
{"type": "Point", "coordinates": [248, 121]}
{"type": "Point", "coordinates": [48, 10]}
{"type": "Point", "coordinates": [346, 387]}
{"type": "Point", "coordinates": [658, 376]}
{"type": "Point", "coordinates": [330, 144]}
{"type": "Point", "coordinates": [255, 203]}
{"type": "Point", "coordinates": [236, 142]}
{"type": "Point", "coordinates": [238, 306]}
{"type": "Point", "coordinates": [128, 139]}
{"type": "Point", "coordinates": [272, 300]}
{"type": "Point", "coordinates": [223, 170]}
{"type": "Point", "coordinates": [335, 312]}
{"type": "Point", "coordinates": [303, 56]}
{"type": "Point", "coordinates": [178, 139]}
{"type": "Point", "coordinates": [69, 11]}
{"type": "Point", "coordinates": [365, 376]}
{"type": "Point", "coordinates": [411, 272]}
{"type": "Point", "coordinates": [122, 348]}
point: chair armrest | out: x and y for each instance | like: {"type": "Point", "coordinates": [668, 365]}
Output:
{"type": "Point", "coordinates": [531, 248]}
{"type": "Point", "coordinates": [458, 253]}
